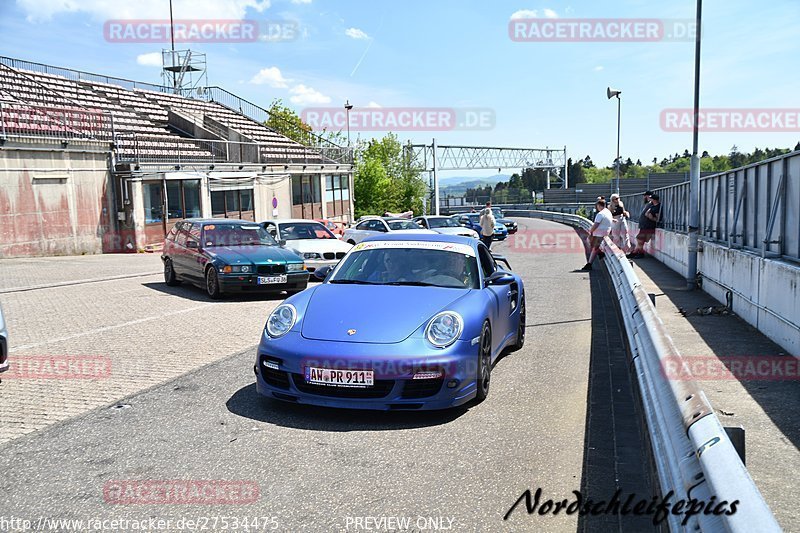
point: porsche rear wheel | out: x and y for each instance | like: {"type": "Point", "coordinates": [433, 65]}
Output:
{"type": "Point", "coordinates": [483, 379]}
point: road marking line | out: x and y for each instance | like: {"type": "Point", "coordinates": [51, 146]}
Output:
{"type": "Point", "coordinates": [107, 328]}
{"type": "Point", "coordinates": [77, 282]}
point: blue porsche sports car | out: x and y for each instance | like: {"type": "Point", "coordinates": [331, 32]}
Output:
{"type": "Point", "coordinates": [402, 322]}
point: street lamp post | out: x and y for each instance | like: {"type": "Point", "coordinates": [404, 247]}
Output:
{"type": "Point", "coordinates": [611, 93]}
{"type": "Point", "coordinates": [347, 107]}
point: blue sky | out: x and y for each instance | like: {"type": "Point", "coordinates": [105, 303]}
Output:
{"type": "Point", "coordinates": [458, 54]}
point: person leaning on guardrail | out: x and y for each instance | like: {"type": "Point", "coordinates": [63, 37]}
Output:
{"type": "Point", "coordinates": [647, 225]}
{"type": "Point", "coordinates": [619, 230]}
{"type": "Point", "coordinates": [602, 225]}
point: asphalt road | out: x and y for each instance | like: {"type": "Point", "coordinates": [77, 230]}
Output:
{"type": "Point", "coordinates": [303, 468]}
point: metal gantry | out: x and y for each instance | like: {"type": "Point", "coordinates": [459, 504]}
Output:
{"type": "Point", "coordinates": [434, 158]}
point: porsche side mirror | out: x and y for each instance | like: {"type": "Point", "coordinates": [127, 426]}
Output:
{"type": "Point", "coordinates": [282, 242]}
{"type": "Point", "coordinates": [192, 244]}
{"type": "Point", "coordinates": [322, 272]}
{"type": "Point", "coordinates": [500, 278]}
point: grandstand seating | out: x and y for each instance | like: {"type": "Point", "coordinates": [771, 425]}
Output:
{"type": "Point", "coordinates": [136, 119]}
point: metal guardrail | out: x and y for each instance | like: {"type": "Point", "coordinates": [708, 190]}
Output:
{"type": "Point", "coordinates": [693, 455]}
{"type": "Point", "coordinates": [755, 207]}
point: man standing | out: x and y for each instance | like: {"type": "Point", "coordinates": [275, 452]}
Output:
{"type": "Point", "coordinates": [602, 225]}
{"type": "Point", "coordinates": [487, 222]}
{"type": "Point", "coordinates": [648, 221]}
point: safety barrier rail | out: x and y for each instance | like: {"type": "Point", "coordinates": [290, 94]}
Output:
{"type": "Point", "coordinates": [693, 455]}
{"type": "Point", "coordinates": [755, 207]}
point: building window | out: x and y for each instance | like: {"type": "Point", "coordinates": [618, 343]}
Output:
{"type": "Point", "coordinates": [337, 195]}
{"type": "Point", "coordinates": [153, 206]}
{"type": "Point", "coordinates": [183, 200]}
{"type": "Point", "coordinates": [233, 204]}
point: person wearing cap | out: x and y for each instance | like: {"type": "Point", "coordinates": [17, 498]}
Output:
{"type": "Point", "coordinates": [619, 230]}
{"type": "Point", "coordinates": [648, 221]}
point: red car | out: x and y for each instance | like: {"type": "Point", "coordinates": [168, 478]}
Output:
{"type": "Point", "coordinates": [337, 228]}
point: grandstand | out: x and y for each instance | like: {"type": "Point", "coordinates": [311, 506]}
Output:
{"type": "Point", "coordinates": [206, 152]}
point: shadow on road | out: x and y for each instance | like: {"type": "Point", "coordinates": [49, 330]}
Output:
{"type": "Point", "coordinates": [246, 402]}
{"type": "Point", "coordinates": [191, 292]}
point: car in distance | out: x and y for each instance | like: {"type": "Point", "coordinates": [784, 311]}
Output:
{"type": "Point", "coordinates": [227, 255]}
{"type": "Point", "coordinates": [449, 312]}
{"type": "Point", "coordinates": [309, 239]}
{"type": "Point", "coordinates": [445, 225]}
{"type": "Point", "coordinates": [473, 221]}
{"type": "Point", "coordinates": [3, 343]}
{"type": "Point", "coordinates": [337, 228]}
{"type": "Point", "coordinates": [510, 225]}
{"type": "Point", "coordinates": [372, 226]}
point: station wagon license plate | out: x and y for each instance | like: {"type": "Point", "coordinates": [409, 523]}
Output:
{"type": "Point", "coordinates": [266, 280]}
{"type": "Point", "coordinates": [339, 378]}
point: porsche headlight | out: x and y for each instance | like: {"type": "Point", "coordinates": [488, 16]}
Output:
{"type": "Point", "coordinates": [295, 267]}
{"type": "Point", "coordinates": [444, 329]}
{"type": "Point", "coordinates": [281, 320]}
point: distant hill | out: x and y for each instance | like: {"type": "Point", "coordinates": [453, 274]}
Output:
{"type": "Point", "coordinates": [459, 184]}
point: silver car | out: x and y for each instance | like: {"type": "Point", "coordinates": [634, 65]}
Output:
{"type": "Point", "coordinates": [3, 343]}
{"type": "Point", "coordinates": [445, 225]}
{"type": "Point", "coordinates": [376, 226]}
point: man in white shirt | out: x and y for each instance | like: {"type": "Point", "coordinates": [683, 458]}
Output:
{"type": "Point", "coordinates": [602, 225]}
{"type": "Point", "coordinates": [487, 222]}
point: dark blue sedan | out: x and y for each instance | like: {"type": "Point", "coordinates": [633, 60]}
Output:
{"type": "Point", "coordinates": [226, 255]}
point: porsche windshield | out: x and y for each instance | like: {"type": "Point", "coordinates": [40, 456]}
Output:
{"type": "Point", "coordinates": [409, 266]}
{"type": "Point", "coordinates": [227, 234]}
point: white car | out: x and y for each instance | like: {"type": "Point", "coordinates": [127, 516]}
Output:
{"type": "Point", "coordinates": [309, 239]}
{"type": "Point", "coordinates": [376, 226]}
{"type": "Point", "coordinates": [445, 225]}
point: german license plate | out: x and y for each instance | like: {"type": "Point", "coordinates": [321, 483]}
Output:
{"type": "Point", "coordinates": [339, 378]}
{"type": "Point", "coordinates": [266, 280]}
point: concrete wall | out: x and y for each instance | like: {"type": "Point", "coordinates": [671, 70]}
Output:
{"type": "Point", "coordinates": [54, 200]}
{"type": "Point", "coordinates": [765, 292]}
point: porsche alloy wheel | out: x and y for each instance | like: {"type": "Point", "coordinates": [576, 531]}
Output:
{"type": "Point", "coordinates": [484, 376]}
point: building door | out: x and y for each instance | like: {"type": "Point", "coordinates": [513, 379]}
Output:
{"type": "Point", "coordinates": [306, 197]}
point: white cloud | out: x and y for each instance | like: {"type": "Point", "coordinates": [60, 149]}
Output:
{"type": "Point", "coordinates": [549, 13]}
{"type": "Point", "coordinates": [355, 33]}
{"type": "Point", "coordinates": [152, 59]}
{"type": "Point", "coordinates": [270, 76]}
{"type": "Point", "coordinates": [524, 14]}
{"type": "Point", "coordinates": [303, 95]}
{"type": "Point", "coordinates": [102, 10]}
{"type": "Point", "coordinates": [374, 104]}
{"type": "Point", "coordinates": [598, 68]}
